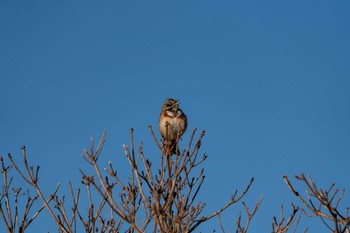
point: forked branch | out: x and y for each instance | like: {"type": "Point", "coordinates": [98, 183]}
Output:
{"type": "Point", "coordinates": [322, 203]}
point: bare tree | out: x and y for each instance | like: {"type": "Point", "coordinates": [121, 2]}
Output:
{"type": "Point", "coordinates": [153, 199]}
{"type": "Point", "coordinates": [322, 203]}
{"type": "Point", "coordinates": [66, 218]}
{"type": "Point", "coordinates": [163, 198]}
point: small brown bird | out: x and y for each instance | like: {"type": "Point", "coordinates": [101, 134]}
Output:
{"type": "Point", "coordinates": [172, 124]}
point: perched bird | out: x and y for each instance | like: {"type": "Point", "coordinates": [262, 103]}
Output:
{"type": "Point", "coordinates": [172, 124]}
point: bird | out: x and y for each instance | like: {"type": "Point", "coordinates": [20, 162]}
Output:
{"type": "Point", "coordinates": [172, 124]}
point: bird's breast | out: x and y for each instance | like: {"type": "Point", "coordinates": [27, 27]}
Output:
{"type": "Point", "coordinates": [176, 126]}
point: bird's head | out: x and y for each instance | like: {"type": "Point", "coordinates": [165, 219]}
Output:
{"type": "Point", "coordinates": [170, 104]}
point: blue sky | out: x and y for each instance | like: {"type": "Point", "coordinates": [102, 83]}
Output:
{"type": "Point", "coordinates": [267, 80]}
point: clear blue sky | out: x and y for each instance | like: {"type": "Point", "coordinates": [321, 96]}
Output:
{"type": "Point", "coordinates": [269, 81]}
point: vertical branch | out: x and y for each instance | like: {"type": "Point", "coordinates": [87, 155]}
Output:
{"type": "Point", "coordinates": [6, 214]}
